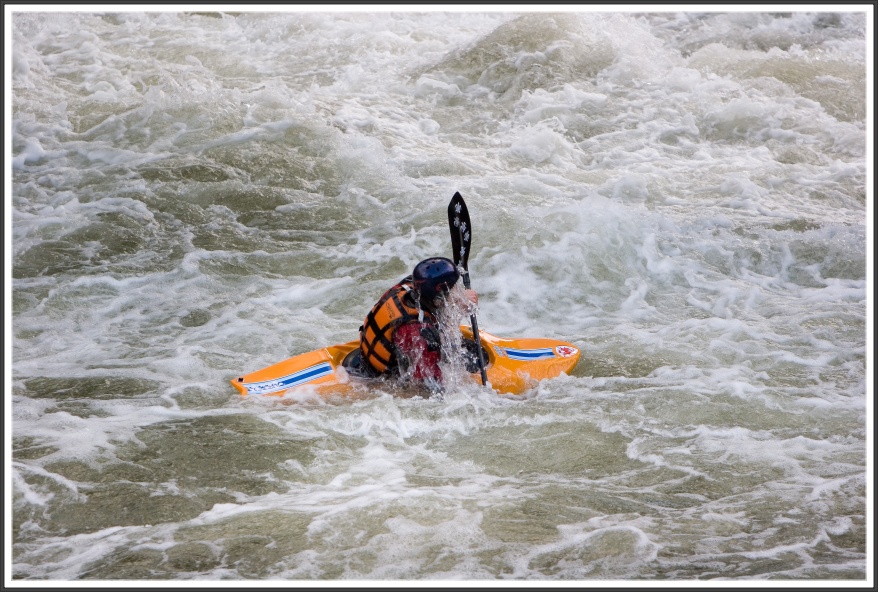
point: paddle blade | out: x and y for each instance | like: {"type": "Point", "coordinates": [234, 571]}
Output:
{"type": "Point", "coordinates": [461, 230]}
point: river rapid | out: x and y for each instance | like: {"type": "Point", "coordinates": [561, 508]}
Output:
{"type": "Point", "coordinates": [684, 196]}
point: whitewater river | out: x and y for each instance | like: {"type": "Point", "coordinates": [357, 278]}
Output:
{"type": "Point", "coordinates": [683, 196]}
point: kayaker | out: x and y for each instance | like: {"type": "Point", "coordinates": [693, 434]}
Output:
{"type": "Point", "coordinates": [400, 336]}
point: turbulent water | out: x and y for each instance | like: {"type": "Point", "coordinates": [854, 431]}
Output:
{"type": "Point", "coordinates": [683, 196]}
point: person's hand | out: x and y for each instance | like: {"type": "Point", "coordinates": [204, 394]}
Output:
{"type": "Point", "coordinates": [471, 294]}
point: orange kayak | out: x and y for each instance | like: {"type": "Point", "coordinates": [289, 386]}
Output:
{"type": "Point", "coordinates": [513, 366]}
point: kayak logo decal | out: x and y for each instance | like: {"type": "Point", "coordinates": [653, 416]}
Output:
{"type": "Point", "coordinates": [297, 378]}
{"type": "Point", "coordinates": [529, 354]}
{"type": "Point", "coordinates": [566, 351]}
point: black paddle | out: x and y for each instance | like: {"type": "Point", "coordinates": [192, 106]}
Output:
{"type": "Point", "coordinates": [461, 232]}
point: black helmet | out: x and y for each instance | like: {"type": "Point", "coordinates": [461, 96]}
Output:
{"type": "Point", "coordinates": [434, 276]}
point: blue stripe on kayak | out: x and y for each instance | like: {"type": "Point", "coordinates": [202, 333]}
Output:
{"type": "Point", "coordinates": [301, 377]}
{"type": "Point", "coordinates": [530, 354]}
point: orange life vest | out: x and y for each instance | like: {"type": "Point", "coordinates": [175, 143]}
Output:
{"type": "Point", "coordinates": [376, 334]}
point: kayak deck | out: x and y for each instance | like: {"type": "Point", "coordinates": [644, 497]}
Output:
{"type": "Point", "coordinates": [512, 366]}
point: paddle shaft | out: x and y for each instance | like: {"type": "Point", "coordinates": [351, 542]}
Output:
{"type": "Point", "coordinates": [475, 325]}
